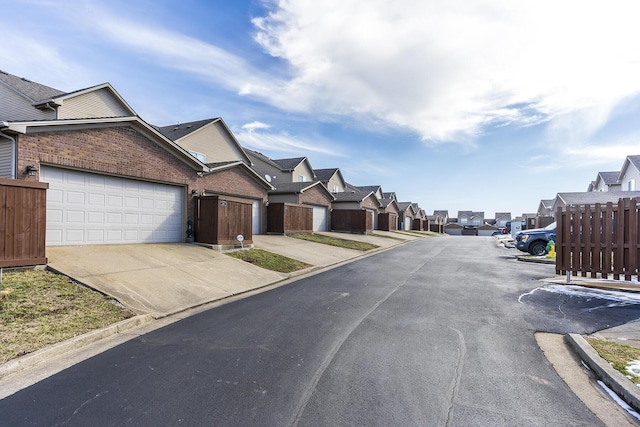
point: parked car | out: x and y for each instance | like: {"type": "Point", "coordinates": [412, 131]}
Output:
{"type": "Point", "coordinates": [535, 241]}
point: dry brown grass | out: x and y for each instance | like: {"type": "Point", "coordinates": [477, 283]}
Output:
{"type": "Point", "coordinates": [39, 308]}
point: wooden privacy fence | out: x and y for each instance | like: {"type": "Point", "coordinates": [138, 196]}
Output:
{"type": "Point", "coordinates": [23, 217]}
{"type": "Point", "coordinates": [285, 218]}
{"type": "Point", "coordinates": [599, 239]}
{"type": "Point", "coordinates": [352, 221]}
{"type": "Point", "coordinates": [220, 219]}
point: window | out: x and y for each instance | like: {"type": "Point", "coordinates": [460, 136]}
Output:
{"type": "Point", "coordinates": [463, 220]}
{"type": "Point", "coordinates": [335, 189]}
{"type": "Point", "coordinates": [199, 156]}
{"type": "Point", "coordinates": [302, 178]}
{"type": "Point", "coordinates": [631, 185]}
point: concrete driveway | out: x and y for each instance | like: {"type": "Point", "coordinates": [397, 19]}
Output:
{"type": "Point", "coordinates": [159, 279]}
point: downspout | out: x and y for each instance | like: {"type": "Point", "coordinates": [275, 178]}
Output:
{"type": "Point", "coordinates": [13, 153]}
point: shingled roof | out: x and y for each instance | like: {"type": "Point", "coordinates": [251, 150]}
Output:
{"type": "Point", "coordinates": [177, 131]}
{"type": "Point", "coordinates": [324, 175]}
{"type": "Point", "coordinates": [33, 91]}
{"type": "Point", "coordinates": [288, 164]}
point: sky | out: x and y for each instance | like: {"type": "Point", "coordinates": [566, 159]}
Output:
{"type": "Point", "coordinates": [484, 105]}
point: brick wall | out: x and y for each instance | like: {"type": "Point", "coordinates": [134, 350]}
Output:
{"type": "Point", "coordinates": [123, 151]}
{"type": "Point", "coordinates": [315, 196]}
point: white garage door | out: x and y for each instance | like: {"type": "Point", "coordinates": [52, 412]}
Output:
{"type": "Point", "coordinates": [407, 223]}
{"type": "Point", "coordinates": [255, 217]}
{"type": "Point", "coordinates": [319, 218]}
{"type": "Point", "coordinates": [85, 208]}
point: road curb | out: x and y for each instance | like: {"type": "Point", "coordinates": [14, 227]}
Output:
{"type": "Point", "coordinates": [45, 354]}
{"type": "Point", "coordinates": [613, 379]}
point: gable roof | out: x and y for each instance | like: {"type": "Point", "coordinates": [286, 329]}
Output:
{"type": "Point", "coordinates": [261, 157]}
{"type": "Point", "coordinates": [324, 175]}
{"type": "Point", "coordinates": [354, 196]}
{"type": "Point", "coordinates": [289, 164]}
{"type": "Point", "coordinates": [32, 91]}
{"type": "Point", "coordinates": [403, 206]}
{"type": "Point", "coordinates": [217, 167]}
{"type": "Point", "coordinates": [590, 198]}
{"type": "Point", "coordinates": [180, 130]}
{"type": "Point", "coordinates": [630, 160]}
{"type": "Point", "coordinates": [140, 125]}
{"type": "Point", "coordinates": [608, 178]}
{"type": "Point", "coordinates": [443, 213]}
{"type": "Point", "coordinates": [299, 187]}
{"type": "Point", "coordinates": [58, 100]}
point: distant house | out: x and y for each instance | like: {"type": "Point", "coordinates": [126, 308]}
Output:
{"type": "Point", "coordinates": [296, 184]}
{"type": "Point", "coordinates": [332, 179]}
{"type": "Point", "coordinates": [420, 220]}
{"type": "Point", "coordinates": [502, 218]}
{"type": "Point", "coordinates": [355, 211]}
{"type": "Point", "coordinates": [563, 200]}
{"type": "Point", "coordinates": [388, 213]}
{"type": "Point", "coordinates": [545, 208]}
{"type": "Point", "coordinates": [629, 173]}
{"type": "Point", "coordinates": [470, 218]}
{"type": "Point", "coordinates": [406, 215]}
{"type": "Point", "coordinates": [606, 181]}
{"type": "Point", "coordinates": [440, 219]}
{"type": "Point", "coordinates": [211, 142]}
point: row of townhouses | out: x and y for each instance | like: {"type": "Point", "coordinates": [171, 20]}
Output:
{"type": "Point", "coordinates": [608, 187]}
{"type": "Point", "coordinates": [114, 178]}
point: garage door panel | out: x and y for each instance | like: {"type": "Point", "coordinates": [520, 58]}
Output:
{"type": "Point", "coordinates": [88, 208]}
{"type": "Point", "coordinates": [75, 197]}
{"type": "Point", "coordinates": [319, 218]}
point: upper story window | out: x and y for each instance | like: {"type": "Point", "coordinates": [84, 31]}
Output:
{"type": "Point", "coordinates": [463, 220]}
{"type": "Point", "coordinates": [335, 189]}
{"type": "Point", "coordinates": [302, 178]}
{"type": "Point", "coordinates": [199, 156]}
{"type": "Point", "coordinates": [631, 185]}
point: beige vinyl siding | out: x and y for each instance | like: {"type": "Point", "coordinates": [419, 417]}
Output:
{"type": "Point", "coordinates": [212, 141]}
{"type": "Point", "coordinates": [335, 181]}
{"type": "Point", "coordinates": [14, 107]}
{"type": "Point", "coordinates": [6, 159]}
{"type": "Point", "coordinates": [100, 103]}
{"type": "Point", "coordinates": [303, 170]}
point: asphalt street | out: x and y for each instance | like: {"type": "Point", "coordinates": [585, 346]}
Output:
{"type": "Point", "coordinates": [437, 332]}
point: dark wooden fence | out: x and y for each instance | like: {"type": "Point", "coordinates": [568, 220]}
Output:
{"type": "Point", "coordinates": [284, 218]}
{"type": "Point", "coordinates": [220, 219]}
{"type": "Point", "coordinates": [23, 218]}
{"type": "Point", "coordinates": [599, 239]}
{"type": "Point", "coordinates": [352, 221]}
{"type": "Point", "coordinates": [418, 224]}
{"type": "Point", "coordinates": [387, 221]}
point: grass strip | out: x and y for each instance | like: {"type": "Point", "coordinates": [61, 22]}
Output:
{"type": "Point", "coordinates": [619, 356]}
{"type": "Point", "coordinates": [420, 233]}
{"type": "Point", "coordinates": [269, 260]}
{"type": "Point", "coordinates": [39, 308]}
{"type": "Point", "coordinates": [334, 241]}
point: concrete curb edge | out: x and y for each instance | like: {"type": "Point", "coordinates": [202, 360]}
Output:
{"type": "Point", "coordinates": [43, 355]}
{"type": "Point", "coordinates": [613, 379]}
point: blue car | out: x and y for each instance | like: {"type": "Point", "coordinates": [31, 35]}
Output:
{"type": "Point", "coordinates": [535, 241]}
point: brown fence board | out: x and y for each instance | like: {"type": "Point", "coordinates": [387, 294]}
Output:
{"type": "Point", "coordinates": [599, 240]}
{"type": "Point", "coordinates": [23, 206]}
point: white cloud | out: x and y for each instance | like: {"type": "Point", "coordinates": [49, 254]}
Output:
{"type": "Point", "coordinates": [257, 135]}
{"type": "Point", "coordinates": [178, 51]}
{"type": "Point", "coordinates": [448, 69]}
